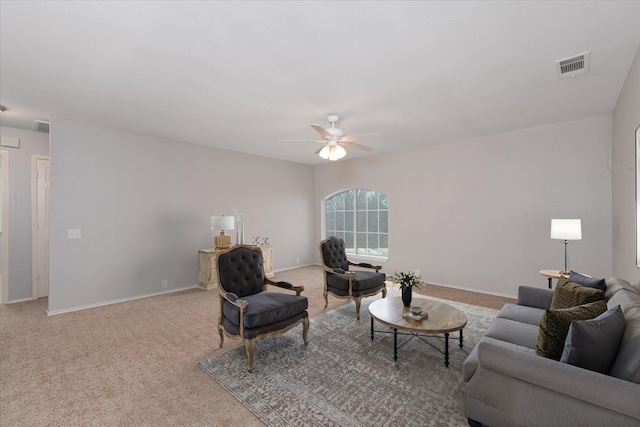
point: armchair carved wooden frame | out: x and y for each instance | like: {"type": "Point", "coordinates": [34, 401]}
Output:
{"type": "Point", "coordinates": [247, 310]}
{"type": "Point", "coordinates": [341, 282]}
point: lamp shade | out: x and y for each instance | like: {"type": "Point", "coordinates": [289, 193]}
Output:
{"type": "Point", "coordinates": [222, 222]}
{"type": "Point", "coordinates": [566, 229]}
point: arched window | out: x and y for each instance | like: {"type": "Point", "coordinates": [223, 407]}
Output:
{"type": "Point", "coordinates": [360, 218]}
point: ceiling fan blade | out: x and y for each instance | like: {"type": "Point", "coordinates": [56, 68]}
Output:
{"type": "Point", "coordinates": [302, 140]}
{"type": "Point", "coordinates": [362, 137]}
{"type": "Point", "coordinates": [319, 150]}
{"type": "Point", "coordinates": [326, 135]}
{"type": "Point", "coordinates": [355, 146]}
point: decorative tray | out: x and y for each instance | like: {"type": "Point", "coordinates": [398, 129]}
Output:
{"type": "Point", "coordinates": [417, 317]}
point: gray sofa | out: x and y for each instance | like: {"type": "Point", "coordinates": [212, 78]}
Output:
{"type": "Point", "coordinates": [510, 385]}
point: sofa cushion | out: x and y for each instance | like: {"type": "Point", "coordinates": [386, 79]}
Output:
{"type": "Point", "coordinates": [363, 281]}
{"type": "Point", "coordinates": [627, 363]}
{"type": "Point", "coordinates": [521, 313]}
{"type": "Point", "coordinates": [589, 282]}
{"type": "Point", "coordinates": [593, 344]}
{"type": "Point", "coordinates": [512, 331]}
{"type": "Point", "coordinates": [534, 297]}
{"type": "Point", "coordinates": [615, 284]}
{"type": "Point", "coordinates": [555, 324]}
{"type": "Point", "coordinates": [568, 294]}
{"type": "Point", "coordinates": [266, 308]}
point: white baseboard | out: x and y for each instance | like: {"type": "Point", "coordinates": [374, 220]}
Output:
{"type": "Point", "coordinates": [116, 301]}
{"type": "Point", "coordinates": [19, 300]}
{"type": "Point", "coordinates": [293, 268]}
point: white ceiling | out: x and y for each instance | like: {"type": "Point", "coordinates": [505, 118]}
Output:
{"type": "Point", "coordinates": [244, 75]}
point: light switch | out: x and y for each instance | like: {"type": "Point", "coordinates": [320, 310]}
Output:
{"type": "Point", "coordinates": [74, 233]}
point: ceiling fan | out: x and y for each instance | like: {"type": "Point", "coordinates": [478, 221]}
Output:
{"type": "Point", "coordinates": [335, 141]}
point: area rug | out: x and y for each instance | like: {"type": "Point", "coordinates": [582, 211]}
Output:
{"type": "Point", "coordinates": [343, 378]}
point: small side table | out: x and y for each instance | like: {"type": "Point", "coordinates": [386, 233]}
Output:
{"type": "Point", "coordinates": [551, 274]}
{"type": "Point", "coordinates": [207, 270]}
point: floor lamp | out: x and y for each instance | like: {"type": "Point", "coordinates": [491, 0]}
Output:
{"type": "Point", "coordinates": [566, 229]}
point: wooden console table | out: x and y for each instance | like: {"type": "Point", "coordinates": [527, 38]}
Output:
{"type": "Point", "coordinates": [207, 271]}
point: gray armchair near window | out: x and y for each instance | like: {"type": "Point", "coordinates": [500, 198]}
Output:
{"type": "Point", "coordinates": [247, 310]}
{"type": "Point", "coordinates": [341, 282]}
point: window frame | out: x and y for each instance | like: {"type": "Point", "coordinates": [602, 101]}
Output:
{"type": "Point", "coordinates": [355, 256]}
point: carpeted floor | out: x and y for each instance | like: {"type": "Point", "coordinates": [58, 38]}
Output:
{"type": "Point", "coordinates": [346, 379]}
{"type": "Point", "coordinates": [133, 363]}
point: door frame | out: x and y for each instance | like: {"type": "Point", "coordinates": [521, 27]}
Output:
{"type": "Point", "coordinates": [4, 283]}
{"type": "Point", "coordinates": [34, 223]}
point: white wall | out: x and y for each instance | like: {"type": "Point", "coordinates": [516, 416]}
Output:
{"type": "Point", "coordinates": [472, 214]}
{"type": "Point", "coordinates": [144, 206]}
{"type": "Point", "coordinates": [20, 274]}
{"type": "Point", "coordinates": [626, 119]}
{"type": "Point", "coordinates": [476, 213]}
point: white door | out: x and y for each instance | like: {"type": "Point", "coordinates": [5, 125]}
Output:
{"type": "Point", "coordinates": [41, 227]}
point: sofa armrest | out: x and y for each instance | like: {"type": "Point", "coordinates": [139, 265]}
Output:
{"type": "Point", "coordinates": [607, 392]}
{"type": "Point", "coordinates": [535, 297]}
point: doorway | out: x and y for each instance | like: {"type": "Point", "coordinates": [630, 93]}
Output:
{"type": "Point", "coordinates": [4, 226]}
{"type": "Point", "coordinates": [40, 203]}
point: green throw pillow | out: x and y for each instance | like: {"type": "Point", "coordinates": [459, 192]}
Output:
{"type": "Point", "coordinates": [568, 294]}
{"type": "Point", "coordinates": [555, 324]}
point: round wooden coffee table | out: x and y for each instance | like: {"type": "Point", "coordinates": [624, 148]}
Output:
{"type": "Point", "coordinates": [442, 319]}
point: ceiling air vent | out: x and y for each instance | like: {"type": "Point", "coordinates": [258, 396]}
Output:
{"type": "Point", "coordinates": [39, 126]}
{"type": "Point", "coordinates": [571, 67]}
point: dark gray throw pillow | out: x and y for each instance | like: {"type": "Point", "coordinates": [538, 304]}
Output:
{"type": "Point", "coordinates": [593, 344]}
{"type": "Point", "coordinates": [587, 281]}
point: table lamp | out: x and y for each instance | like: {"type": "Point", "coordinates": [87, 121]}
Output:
{"type": "Point", "coordinates": [222, 241]}
{"type": "Point", "coordinates": [566, 229]}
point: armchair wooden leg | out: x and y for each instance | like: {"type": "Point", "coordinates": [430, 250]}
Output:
{"type": "Point", "coordinates": [249, 345]}
{"type": "Point", "coordinates": [326, 300]}
{"type": "Point", "coordinates": [305, 330]}
{"type": "Point", "coordinates": [384, 292]}
{"type": "Point", "coordinates": [221, 332]}
{"type": "Point", "coordinates": [358, 301]}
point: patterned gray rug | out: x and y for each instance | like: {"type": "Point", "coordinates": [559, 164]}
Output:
{"type": "Point", "coordinates": [342, 378]}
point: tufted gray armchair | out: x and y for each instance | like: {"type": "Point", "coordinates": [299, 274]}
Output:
{"type": "Point", "coordinates": [341, 282]}
{"type": "Point", "coordinates": [247, 310]}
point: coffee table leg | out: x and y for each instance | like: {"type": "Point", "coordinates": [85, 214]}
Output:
{"type": "Point", "coordinates": [446, 349]}
{"type": "Point", "coordinates": [371, 328]}
{"type": "Point", "coordinates": [461, 338]}
{"type": "Point", "coordinates": [395, 344]}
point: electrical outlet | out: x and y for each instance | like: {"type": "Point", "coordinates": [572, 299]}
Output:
{"type": "Point", "coordinates": [74, 233]}
{"type": "Point", "coordinates": [417, 272]}
{"type": "Point", "coordinates": [298, 260]}
{"type": "Point", "coordinates": [165, 283]}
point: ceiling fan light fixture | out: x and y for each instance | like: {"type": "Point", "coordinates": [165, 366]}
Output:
{"type": "Point", "coordinates": [324, 153]}
{"type": "Point", "coordinates": [332, 152]}
{"type": "Point", "coordinates": [337, 152]}
{"type": "Point", "coordinates": [334, 140]}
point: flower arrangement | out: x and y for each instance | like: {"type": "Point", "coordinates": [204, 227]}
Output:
{"type": "Point", "coordinates": [406, 279]}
